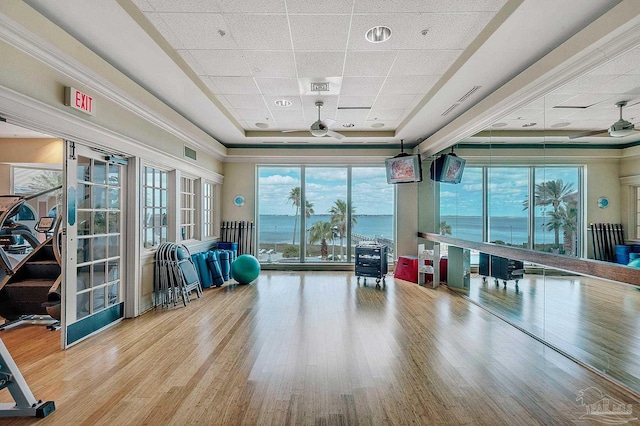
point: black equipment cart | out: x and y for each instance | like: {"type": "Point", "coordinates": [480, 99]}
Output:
{"type": "Point", "coordinates": [371, 261]}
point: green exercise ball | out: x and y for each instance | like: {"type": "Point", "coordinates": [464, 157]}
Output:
{"type": "Point", "coordinates": [245, 269]}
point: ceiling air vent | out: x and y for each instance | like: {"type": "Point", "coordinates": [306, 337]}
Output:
{"type": "Point", "coordinates": [190, 153]}
{"type": "Point", "coordinates": [469, 93]}
{"type": "Point", "coordinates": [320, 87]}
{"type": "Point", "coordinates": [451, 108]}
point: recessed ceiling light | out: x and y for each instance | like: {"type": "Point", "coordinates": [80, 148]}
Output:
{"type": "Point", "coordinates": [378, 34]}
{"type": "Point", "coordinates": [348, 125]}
{"type": "Point", "coordinates": [262, 125]}
{"type": "Point", "coordinates": [529, 124]}
{"type": "Point", "coordinates": [377, 125]}
{"type": "Point", "coordinates": [558, 125]}
{"type": "Point", "coordinates": [499, 125]}
{"type": "Point", "coordinates": [283, 103]}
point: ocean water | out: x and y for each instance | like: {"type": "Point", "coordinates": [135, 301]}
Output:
{"type": "Point", "coordinates": [511, 230]}
{"type": "Point", "coordinates": [279, 228]}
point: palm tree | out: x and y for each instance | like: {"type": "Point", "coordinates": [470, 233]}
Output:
{"type": "Point", "coordinates": [320, 231]}
{"type": "Point", "coordinates": [444, 228]}
{"type": "Point", "coordinates": [339, 219]}
{"type": "Point", "coordinates": [294, 197]}
{"type": "Point", "coordinates": [552, 193]}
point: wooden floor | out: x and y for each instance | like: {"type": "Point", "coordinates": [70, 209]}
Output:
{"type": "Point", "coordinates": [595, 321]}
{"type": "Point", "coordinates": [311, 348]}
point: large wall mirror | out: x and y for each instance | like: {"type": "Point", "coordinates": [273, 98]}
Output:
{"type": "Point", "coordinates": [552, 177]}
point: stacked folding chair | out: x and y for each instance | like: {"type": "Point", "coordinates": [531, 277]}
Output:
{"type": "Point", "coordinates": [175, 276]}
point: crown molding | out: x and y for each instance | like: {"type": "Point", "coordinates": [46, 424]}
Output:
{"type": "Point", "coordinates": [21, 38]}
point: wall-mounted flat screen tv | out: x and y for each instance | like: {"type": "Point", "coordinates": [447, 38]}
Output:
{"type": "Point", "coordinates": [447, 168]}
{"type": "Point", "coordinates": [404, 168]}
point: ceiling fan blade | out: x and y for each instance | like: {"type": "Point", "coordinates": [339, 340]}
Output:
{"type": "Point", "coordinates": [585, 134]}
{"type": "Point", "coordinates": [334, 134]}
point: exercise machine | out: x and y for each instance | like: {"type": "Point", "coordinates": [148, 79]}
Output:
{"type": "Point", "coordinates": [26, 405]}
{"type": "Point", "coordinates": [30, 290]}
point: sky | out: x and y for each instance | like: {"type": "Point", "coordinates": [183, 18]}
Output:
{"type": "Point", "coordinates": [508, 187]}
{"type": "Point", "coordinates": [371, 194]}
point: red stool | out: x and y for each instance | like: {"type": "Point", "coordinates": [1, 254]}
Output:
{"type": "Point", "coordinates": [407, 269]}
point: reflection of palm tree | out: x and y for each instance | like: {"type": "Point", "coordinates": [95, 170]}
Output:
{"type": "Point", "coordinates": [444, 228]}
{"type": "Point", "coordinates": [47, 179]}
{"type": "Point", "coordinates": [567, 219]}
{"type": "Point", "coordinates": [339, 219]}
{"type": "Point", "coordinates": [294, 197]}
{"type": "Point", "coordinates": [320, 231]}
{"type": "Point", "coordinates": [552, 193]}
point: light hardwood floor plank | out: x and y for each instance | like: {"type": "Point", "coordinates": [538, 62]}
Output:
{"type": "Point", "coordinates": [307, 348]}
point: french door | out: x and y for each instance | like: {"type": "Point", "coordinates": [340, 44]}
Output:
{"type": "Point", "coordinates": [93, 244]}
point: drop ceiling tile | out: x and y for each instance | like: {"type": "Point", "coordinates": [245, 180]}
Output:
{"type": "Point", "coordinates": [259, 32]}
{"type": "Point", "coordinates": [235, 85]}
{"type": "Point", "coordinates": [395, 102]}
{"type": "Point", "coordinates": [325, 7]}
{"type": "Point", "coordinates": [288, 115]}
{"type": "Point", "coordinates": [378, 114]}
{"type": "Point", "coordinates": [356, 101]}
{"type": "Point", "coordinates": [365, 86]}
{"type": "Point", "coordinates": [368, 64]}
{"type": "Point", "coordinates": [246, 101]}
{"type": "Point", "coordinates": [219, 63]}
{"type": "Point", "coordinates": [592, 100]}
{"type": "Point", "coordinates": [585, 84]}
{"type": "Point", "coordinates": [319, 64]}
{"type": "Point", "coordinates": [199, 30]}
{"type": "Point", "coordinates": [424, 62]}
{"type": "Point", "coordinates": [262, 115]}
{"type": "Point", "coordinates": [411, 6]}
{"type": "Point", "coordinates": [278, 86]}
{"type": "Point", "coordinates": [251, 6]}
{"type": "Point", "coordinates": [266, 63]}
{"type": "Point", "coordinates": [622, 84]}
{"type": "Point", "coordinates": [320, 32]}
{"type": "Point", "coordinates": [408, 84]}
{"type": "Point", "coordinates": [355, 116]}
{"type": "Point", "coordinates": [299, 125]}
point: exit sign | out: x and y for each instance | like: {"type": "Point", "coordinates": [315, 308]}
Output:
{"type": "Point", "coordinates": [79, 100]}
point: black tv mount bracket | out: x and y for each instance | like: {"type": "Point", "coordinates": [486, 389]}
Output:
{"type": "Point", "coordinates": [402, 153]}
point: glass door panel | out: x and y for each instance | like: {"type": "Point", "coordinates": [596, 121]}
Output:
{"type": "Point", "coordinates": [279, 208]}
{"type": "Point", "coordinates": [508, 189]}
{"type": "Point", "coordinates": [326, 214]}
{"type": "Point", "coordinates": [93, 285]}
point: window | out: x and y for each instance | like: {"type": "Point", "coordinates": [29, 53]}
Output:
{"type": "Point", "coordinates": [154, 189]}
{"type": "Point", "coordinates": [187, 208]}
{"type": "Point", "coordinates": [208, 212]}
{"type": "Point", "coordinates": [551, 224]}
{"type": "Point", "coordinates": [319, 213]}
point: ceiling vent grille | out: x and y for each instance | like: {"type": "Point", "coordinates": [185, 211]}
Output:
{"type": "Point", "coordinates": [190, 153]}
{"type": "Point", "coordinates": [451, 108]}
{"type": "Point", "coordinates": [320, 87]}
{"type": "Point", "coordinates": [469, 93]}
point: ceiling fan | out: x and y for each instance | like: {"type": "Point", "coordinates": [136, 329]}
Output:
{"type": "Point", "coordinates": [618, 129]}
{"type": "Point", "coordinates": [320, 128]}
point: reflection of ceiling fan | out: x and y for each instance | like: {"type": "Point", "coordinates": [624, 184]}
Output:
{"type": "Point", "coordinates": [618, 129]}
{"type": "Point", "coordinates": [320, 128]}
